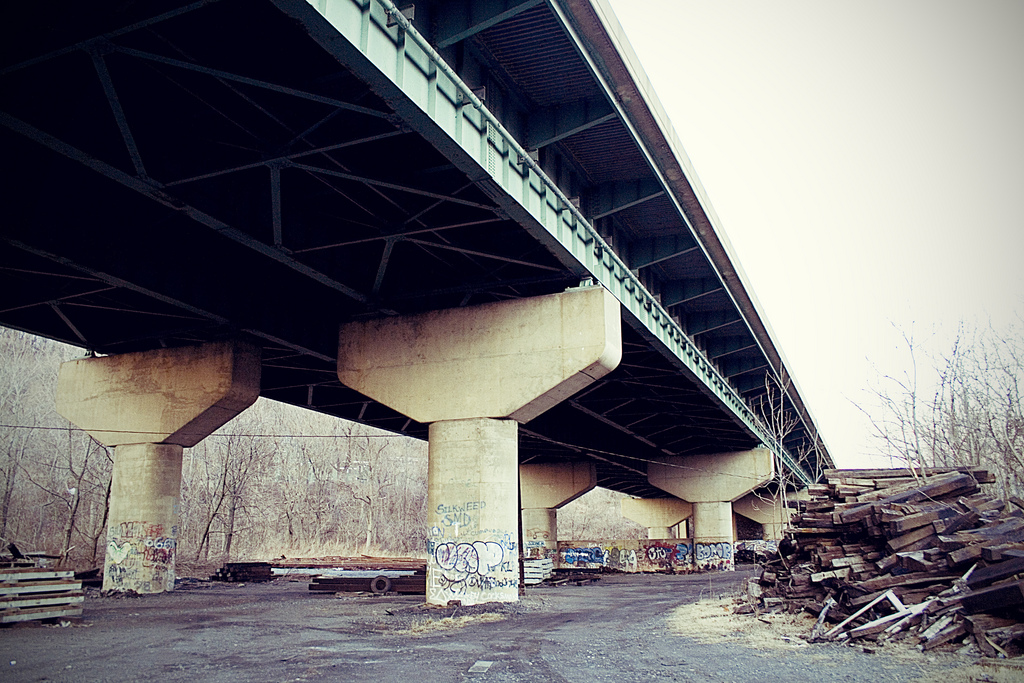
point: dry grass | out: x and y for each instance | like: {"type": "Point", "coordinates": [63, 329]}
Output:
{"type": "Point", "coordinates": [994, 672]}
{"type": "Point", "coordinates": [712, 621]}
{"type": "Point", "coordinates": [432, 626]}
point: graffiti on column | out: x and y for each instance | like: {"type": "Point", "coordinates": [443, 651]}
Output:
{"type": "Point", "coordinates": [593, 555]}
{"type": "Point", "coordinates": [473, 571]}
{"type": "Point", "coordinates": [460, 516]}
{"type": "Point", "coordinates": [714, 555]}
{"type": "Point", "coordinates": [540, 550]}
{"type": "Point", "coordinates": [140, 557]}
{"type": "Point", "coordinates": [674, 555]}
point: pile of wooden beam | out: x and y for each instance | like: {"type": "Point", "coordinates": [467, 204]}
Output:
{"type": "Point", "coordinates": [360, 563]}
{"type": "Point", "coordinates": [244, 572]}
{"type": "Point", "coordinates": [380, 584]}
{"type": "Point", "coordinates": [30, 593]}
{"type": "Point", "coordinates": [887, 554]}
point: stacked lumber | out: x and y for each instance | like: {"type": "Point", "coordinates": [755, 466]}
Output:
{"type": "Point", "coordinates": [29, 593]}
{"type": "Point", "coordinates": [244, 572]}
{"type": "Point", "coordinates": [885, 555]}
{"type": "Point", "coordinates": [361, 563]}
{"type": "Point", "coordinates": [537, 571]}
{"type": "Point", "coordinates": [380, 585]}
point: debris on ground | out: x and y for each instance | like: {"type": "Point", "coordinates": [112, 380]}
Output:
{"type": "Point", "coordinates": [890, 555]}
{"type": "Point", "coordinates": [244, 572]}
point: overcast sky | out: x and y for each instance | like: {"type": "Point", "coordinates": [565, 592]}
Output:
{"type": "Point", "coordinates": [866, 160]}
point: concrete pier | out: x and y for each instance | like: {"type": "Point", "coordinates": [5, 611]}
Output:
{"type": "Point", "coordinates": [473, 373]}
{"type": "Point", "coordinates": [545, 488]}
{"type": "Point", "coordinates": [149, 406]}
{"type": "Point", "coordinates": [767, 510]}
{"type": "Point", "coordinates": [659, 515]}
{"type": "Point", "coordinates": [711, 483]}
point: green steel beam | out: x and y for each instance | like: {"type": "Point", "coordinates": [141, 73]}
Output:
{"type": "Point", "coordinates": [647, 252]}
{"type": "Point", "coordinates": [461, 20]}
{"type": "Point", "coordinates": [610, 198]}
{"type": "Point", "coordinates": [731, 368]}
{"type": "Point", "coordinates": [675, 292]}
{"type": "Point", "coordinates": [462, 126]}
{"type": "Point", "coordinates": [703, 322]}
{"type": "Point", "coordinates": [717, 348]}
{"type": "Point", "coordinates": [550, 125]}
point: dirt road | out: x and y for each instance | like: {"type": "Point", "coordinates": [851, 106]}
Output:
{"type": "Point", "coordinates": [616, 630]}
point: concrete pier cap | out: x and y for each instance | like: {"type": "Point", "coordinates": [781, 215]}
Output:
{"type": "Point", "coordinates": [766, 509]}
{"type": "Point", "coordinates": [711, 482]}
{"type": "Point", "coordinates": [174, 396]}
{"type": "Point", "coordinates": [473, 373]}
{"type": "Point", "coordinates": [659, 515]}
{"type": "Point", "coordinates": [505, 360]}
{"type": "Point", "coordinates": [150, 406]}
{"type": "Point", "coordinates": [545, 487]}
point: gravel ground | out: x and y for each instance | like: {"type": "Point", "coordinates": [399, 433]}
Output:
{"type": "Point", "coordinates": [619, 629]}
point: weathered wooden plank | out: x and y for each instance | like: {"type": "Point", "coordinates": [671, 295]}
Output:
{"type": "Point", "coordinates": [903, 472]}
{"type": "Point", "coordinates": [971, 552]}
{"type": "Point", "coordinates": [883, 582]}
{"type": "Point", "coordinates": [953, 524]}
{"type": "Point", "coordinates": [993, 598]}
{"type": "Point", "coordinates": [943, 485]}
{"type": "Point", "coordinates": [818, 577]}
{"type": "Point", "coordinates": [19, 588]}
{"type": "Point", "coordinates": [32, 573]}
{"type": "Point", "coordinates": [40, 601]}
{"type": "Point", "coordinates": [895, 544]}
{"type": "Point", "coordinates": [997, 572]}
{"type": "Point", "coordinates": [886, 595]}
{"type": "Point", "coordinates": [39, 613]}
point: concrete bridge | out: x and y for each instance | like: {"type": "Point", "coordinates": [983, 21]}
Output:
{"type": "Point", "coordinates": [483, 196]}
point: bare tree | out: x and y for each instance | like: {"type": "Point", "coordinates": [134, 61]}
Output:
{"type": "Point", "coordinates": [779, 422]}
{"type": "Point", "coordinates": [967, 413]}
{"type": "Point", "coordinates": [597, 516]}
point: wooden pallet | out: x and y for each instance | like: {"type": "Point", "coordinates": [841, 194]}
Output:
{"type": "Point", "coordinates": [536, 571]}
{"type": "Point", "coordinates": [33, 593]}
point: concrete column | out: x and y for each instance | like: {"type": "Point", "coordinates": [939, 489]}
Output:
{"type": "Point", "coordinates": [472, 373]}
{"type": "Point", "coordinates": [711, 483]}
{"type": "Point", "coordinates": [149, 406]}
{"type": "Point", "coordinates": [472, 499]}
{"type": "Point", "coordinates": [544, 488]}
{"type": "Point", "coordinates": [143, 520]}
{"type": "Point", "coordinates": [659, 515]}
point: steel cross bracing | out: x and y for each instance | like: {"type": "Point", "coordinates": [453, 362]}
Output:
{"type": "Point", "coordinates": [279, 180]}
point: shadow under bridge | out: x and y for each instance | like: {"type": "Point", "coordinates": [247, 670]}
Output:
{"type": "Point", "coordinates": [185, 172]}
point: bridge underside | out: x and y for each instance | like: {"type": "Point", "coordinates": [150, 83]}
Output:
{"type": "Point", "coordinates": [210, 172]}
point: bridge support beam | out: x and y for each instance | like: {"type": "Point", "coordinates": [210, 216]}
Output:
{"type": "Point", "coordinates": [711, 483]}
{"type": "Point", "coordinates": [149, 407]}
{"type": "Point", "coordinates": [659, 515]}
{"type": "Point", "coordinates": [543, 489]}
{"type": "Point", "coordinates": [473, 373]}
